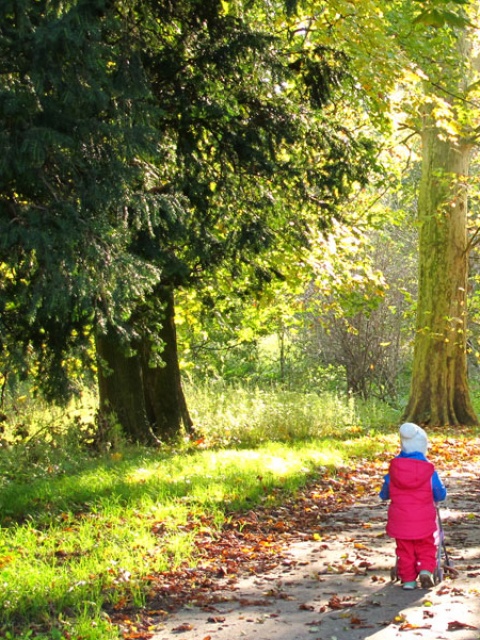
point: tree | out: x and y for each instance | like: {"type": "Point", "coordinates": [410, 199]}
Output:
{"type": "Point", "coordinates": [439, 384]}
{"type": "Point", "coordinates": [431, 46]}
{"type": "Point", "coordinates": [145, 145]}
{"type": "Point", "coordinates": [150, 145]}
{"type": "Point", "coordinates": [73, 127]}
{"type": "Point", "coordinates": [439, 391]}
{"type": "Point", "coordinates": [359, 321]}
{"type": "Point", "coordinates": [253, 162]}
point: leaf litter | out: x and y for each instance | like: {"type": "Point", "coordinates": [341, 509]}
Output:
{"type": "Point", "coordinates": [338, 523]}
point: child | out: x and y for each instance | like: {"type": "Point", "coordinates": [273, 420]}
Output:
{"type": "Point", "coordinates": [413, 487]}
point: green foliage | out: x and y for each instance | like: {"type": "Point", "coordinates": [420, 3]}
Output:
{"type": "Point", "coordinates": [342, 319]}
{"type": "Point", "coordinates": [146, 144]}
{"type": "Point", "coordinates": [69, 139]}
{"type": "Point", "coordinates": [256, 162]}
{"type": "Point", "coordinates": [441, 13]}
{"type": "Point", "coordinates": [84, 535]}
{"type": "Point", "coordinates": [228, 414]}
{"type": "Point", "coordinates": [206, 147]}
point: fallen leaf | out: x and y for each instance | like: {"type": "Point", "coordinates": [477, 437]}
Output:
{"type": "Point", "coordinates": [185, 626]}
{"type": "Point", "coordinates": [399, 619]}
{"type": "Point", "coordinates": [157, 612]}
{"type": "Point", "coordinates": [359, 623]}
{"type": "Point", "coordinates": [339, 603]}
{"type": "Point", "coordinates": [408, 626]}
{"type": "Point", "coordinates": [365, 563]}
{"type": "Point", "coordinates": [455, 626]}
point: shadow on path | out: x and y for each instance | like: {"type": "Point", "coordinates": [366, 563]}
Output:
{"type": "Point", "coordinates": [338, 587]}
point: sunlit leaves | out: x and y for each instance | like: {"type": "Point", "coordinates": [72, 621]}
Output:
{"type": "Point", "coordinates": [441, 13]}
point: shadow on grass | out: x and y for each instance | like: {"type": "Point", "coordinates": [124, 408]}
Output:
{"type": "Point", "coordinates": [232, 478]}
{"type": "Point", "coordinates": [198, 483]}
{"type": "Point", "coordinates": [202, 481]}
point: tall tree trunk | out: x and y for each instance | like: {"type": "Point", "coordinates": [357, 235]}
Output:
{"type": "Point", "coordinates": [120, 384]}
{"type": "Point", "coordinates": [166, 405]}
{"type": "Point", "coordinates": [439, 392]}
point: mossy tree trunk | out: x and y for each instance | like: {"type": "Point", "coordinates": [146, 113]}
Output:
{"type": "Point", "coordinates": [439, 390]}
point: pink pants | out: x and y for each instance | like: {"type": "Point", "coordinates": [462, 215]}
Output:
{"type": "Point", "coordinates": [414, 556]}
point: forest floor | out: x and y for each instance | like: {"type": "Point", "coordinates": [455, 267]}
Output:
{"type": "Point", "coordinates": [318, 568]}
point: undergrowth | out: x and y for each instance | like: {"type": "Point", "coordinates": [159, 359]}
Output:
{"type": "Point", "coordinates": [82, 527]}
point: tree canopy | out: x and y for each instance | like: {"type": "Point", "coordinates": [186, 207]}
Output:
{"type": "Point", "coordinates": [73, 128]}
{"type": "Point", "coordinates": [146, 143]}
{"type": "Point", "coordinates": [156, 147]}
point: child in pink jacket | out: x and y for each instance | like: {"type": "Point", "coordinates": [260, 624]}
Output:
{"type": "Point", "coordinates": [413, 487]}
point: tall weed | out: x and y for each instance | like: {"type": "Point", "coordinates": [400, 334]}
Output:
{"type": "Point", "coordinates": [231, 415]}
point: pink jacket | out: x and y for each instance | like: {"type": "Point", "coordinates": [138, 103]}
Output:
{"type": "Point", "coordinates": [411, 514]}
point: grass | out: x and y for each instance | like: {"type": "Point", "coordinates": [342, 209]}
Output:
{"type": "Point", "coordinates": [80, 533]}
{"type": "Point", "coordinates": [226, 415]}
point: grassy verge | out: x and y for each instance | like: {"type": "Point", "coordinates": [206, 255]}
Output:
{"type": "Point", "coordinates": [79, 534]}
{"type": "Point", "coordinates": [72, 543]}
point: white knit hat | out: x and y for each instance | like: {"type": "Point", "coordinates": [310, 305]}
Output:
{"type": "Point", "coordinates": [413, 438]}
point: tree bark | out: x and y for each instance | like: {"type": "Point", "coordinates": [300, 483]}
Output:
{"type": "Point", "coordinates": [146, 398]}
{"type": "Point", "coordinates": [120, 384]}
{"type": "Point", "coordinates": [439, 389]}
{"type": "Point", "coordinates": [165, 401]}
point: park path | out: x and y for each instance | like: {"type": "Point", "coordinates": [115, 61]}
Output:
{"type": "Point", "coordinates": [336, 584]}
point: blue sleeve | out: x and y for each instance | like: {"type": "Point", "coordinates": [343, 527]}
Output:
{"type": "Point", "coordinates": [385, 491]}
{"type": "Point", "coordinates": [438, 488]}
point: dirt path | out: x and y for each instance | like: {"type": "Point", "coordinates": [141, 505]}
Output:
{"type": "Point", "coordinates": [338, 587]}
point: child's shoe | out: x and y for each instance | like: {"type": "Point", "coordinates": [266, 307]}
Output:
{"type": "Point", "coordinates": [426, 580]}
{"type": "Point", "coordinates": [409, 586]}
